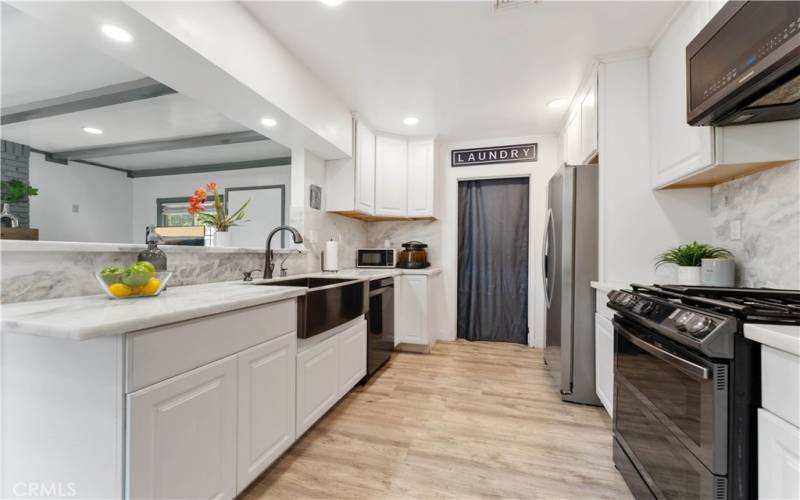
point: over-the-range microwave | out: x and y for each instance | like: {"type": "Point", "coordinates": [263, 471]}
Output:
{"type": "Point", "coordinates": [376, 257]}
{"type": "Point", "coordinates": [744, 66]}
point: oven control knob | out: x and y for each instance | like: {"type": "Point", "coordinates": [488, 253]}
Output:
{"type": "Point", "coordinates": [683, 320]}
{"type": "Point", "coordinates": [646, 307]}
{"type": "Point", "coordinates": [700, 326]}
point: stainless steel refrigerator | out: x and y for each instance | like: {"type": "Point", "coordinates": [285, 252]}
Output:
{"type": "Point", "coordinates": [570, 264]}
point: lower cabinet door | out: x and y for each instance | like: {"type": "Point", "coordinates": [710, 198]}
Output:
{"type": "Point", "coordinates": [182, 435]}
{"type": "Point", "coordinates": [604, 361]}
{"type": "Point", "coordinates": [412, 310]}
{"type": "Point", "coordinates": [778, 457]}
{"type": "Point", "coordinates": [266, 405]}
{"type": "Point", "coordinates": [317, 382]}
{"type": "Point", "coordinates": [352, 356]}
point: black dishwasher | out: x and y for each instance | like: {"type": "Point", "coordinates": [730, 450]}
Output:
{"type": "Point", "coordinates": [380, 338]}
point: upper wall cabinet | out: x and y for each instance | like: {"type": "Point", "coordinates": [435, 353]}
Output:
{"type": "Point", "coordinates": [687, 156]}
{"type": "Point", "coordinates": [580, 135]}
{"type": "Point", "coordinates": [391, 177]}
{"type": "Point", "coordinates": [420, 177]}
{"type": "Point", "coordinates": [677, 147]}
{"type": "Point", "coordinates": [350, 182]}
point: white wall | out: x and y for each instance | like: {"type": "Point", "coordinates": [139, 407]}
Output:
{"type": "Point", "coordinates": [103, 197]}
{"type": "Point", "coordinates": [319, 226]}
{"type": "Point", "coordinates": [147, 189]}
{"type": "Point", "coordinates": [637, 223]}
{"type": "Point", "coordinates": [447, 200]}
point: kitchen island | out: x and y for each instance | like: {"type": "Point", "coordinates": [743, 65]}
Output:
{"type": "Point", "coordinates": [186, 395]}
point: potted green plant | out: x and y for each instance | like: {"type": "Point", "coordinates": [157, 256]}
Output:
{"type": "Point", "coordinates": [689, 258]}
{"type": "Point", "coordinates": [14, 191]}
{"type": "Point", "coordinates": [219, 219]}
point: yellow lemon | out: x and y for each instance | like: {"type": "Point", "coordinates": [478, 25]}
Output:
{"type": "Point", "coordinates": [152, 286]}
{"type": "Point", "coordinates": [119, 290]}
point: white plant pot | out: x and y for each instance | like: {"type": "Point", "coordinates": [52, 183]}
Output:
{"type": "Point", "coordinates": [689, 275]}
{"type": "Point", "coordinates": [221, 239]}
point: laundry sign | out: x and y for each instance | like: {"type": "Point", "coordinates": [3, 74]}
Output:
{"type": "Point", "coordinates": [495, 154]}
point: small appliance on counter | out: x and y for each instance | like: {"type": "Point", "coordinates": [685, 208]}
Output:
{"type": "Point", "coordinates": [376, 257]}
{"type": "Point", "coordinates": [413, 256]}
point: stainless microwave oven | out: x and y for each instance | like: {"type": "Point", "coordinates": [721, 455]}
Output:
{"type": "Point", "coordinates": [744, 65]}
{"type": "Point", "coordinates": [376, 257]}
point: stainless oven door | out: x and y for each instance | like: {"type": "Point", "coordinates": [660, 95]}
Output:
{"type": "Point", "coordinates": [670, 413]}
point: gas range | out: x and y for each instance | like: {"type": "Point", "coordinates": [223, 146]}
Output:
{"type": "Point", "coordinates": [687, 387]}
{"type": "Point", "coordinates": [705, 318]}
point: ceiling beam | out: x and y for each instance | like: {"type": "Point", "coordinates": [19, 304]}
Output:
{"type": "Point", "coordinates": [119, 93]}
{"type": "Point", "coordinates": [213, 167]}
{"type": "Point", "coordinates": [131, 148]}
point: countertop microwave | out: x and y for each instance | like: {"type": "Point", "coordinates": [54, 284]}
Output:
{"type": "Point", "coordinates": [744, 65]}
{"type": "Point", "coordinates": [376, 257]}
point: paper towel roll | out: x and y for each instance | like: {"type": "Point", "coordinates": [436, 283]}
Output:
{"type": "Point", "coordinates": [330, 261]}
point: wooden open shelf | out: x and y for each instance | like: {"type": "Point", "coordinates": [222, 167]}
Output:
{"type": "Point", "coordinates": [718, 174]}
{"type": "Point", "coordinates": [18, 233]}
{"type": "Point", "coordinates": [378, 218]}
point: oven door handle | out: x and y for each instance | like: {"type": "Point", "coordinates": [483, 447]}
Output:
{"type": "Point", "coordinates": [691, 369]}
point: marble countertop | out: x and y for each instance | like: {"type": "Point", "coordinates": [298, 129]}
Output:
{"type": "Point", "coordinates": [366, 273]}
{"type": "Point", "coordinates": [89, 316]}
{"type": "Point", "coordinates": [86, 317]}
{"type": "Point", "coordinates": [782, 337]}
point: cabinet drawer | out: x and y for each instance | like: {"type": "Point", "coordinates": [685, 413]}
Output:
{"type": "Point", "coordinates": [780, 384]}
{"type": "Point", "coordinates": [156, 354]}
{"type": "Point", "coordinates": [600, 306]}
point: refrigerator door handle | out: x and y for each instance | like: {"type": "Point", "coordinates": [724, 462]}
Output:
{"type": "Point", "coordinates": [548, 260]}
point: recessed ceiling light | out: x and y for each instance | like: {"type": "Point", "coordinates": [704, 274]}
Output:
{"type": "Point", "coordinates": [116, 33]}
{"type": "Point", "coordinates": [557, 103]}
{"type": "Point", "coordinates": [268, 122]}
{"type": "Point", "coordinates": [332, 3]}
{"type": "Point", "coordinates": [92, 130]}
{"type": "Point", "coordinates": [411, 120]}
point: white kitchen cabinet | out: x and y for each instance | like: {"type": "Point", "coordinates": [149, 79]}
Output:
{"type": "Point", "coordinates": [415, 321]}
{"type": "Point", "coordinates": [182, 435]}
{"type": "Point", "coordinates": [266, 413]}
{"type": "Point", "coordinates": [421, 183]}
{"type": "Point", "coordinates": [678, 149]}
{"type": "Point", "coordinates": [352, 356]}
{"type": "Point", "coordinates": [365, 169]}
{"type": "Point", "coordinates": [589, 120]}
{"type": "Point", "coordinates": [604, 361]}
{"type": "Point", "coordinates": [391, 176]}
{"type": "Point", "coordinates": [778, 457]}
{"type": "Point", "coordinates": [574, 138]}
{"type": "Point", "coordinates": [350, 182]}
{"type": "Point", "coordinates": [317, 382]}
{"type": "Point", "coordinates": [328, 366]}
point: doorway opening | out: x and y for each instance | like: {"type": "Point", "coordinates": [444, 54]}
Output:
{"type": "Point", "coordinates": [493, 244]}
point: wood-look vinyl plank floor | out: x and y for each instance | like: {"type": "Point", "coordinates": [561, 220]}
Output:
{"type": "Point", "coordinates": [470, 420]}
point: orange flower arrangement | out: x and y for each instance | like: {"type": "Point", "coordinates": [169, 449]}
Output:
{"type": "Point", "coordinates": [219, 219]}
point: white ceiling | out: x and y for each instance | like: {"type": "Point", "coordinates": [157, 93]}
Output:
{"type": "Point", "coordinates": [464, 70]}
{"type": "Point", "coordinates": [198, 156]}
{"type": "Point", "coordinates": [38, 64]}
{"type": "Point", "coordinates": [164, 117]}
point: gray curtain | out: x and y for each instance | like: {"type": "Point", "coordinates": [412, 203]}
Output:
{"type": "Point", "coordinates": [493, 260]}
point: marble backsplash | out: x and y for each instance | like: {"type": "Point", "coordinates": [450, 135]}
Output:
{"type": "Point", "coordinates": [398, 232]}
{"type": "Point", "coordinates": [768, 206]}
{"type": "Point", "coordinates": [53, 273]}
